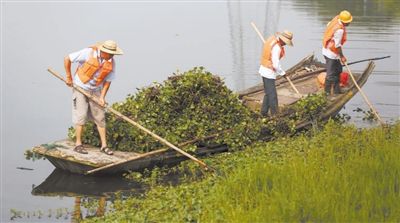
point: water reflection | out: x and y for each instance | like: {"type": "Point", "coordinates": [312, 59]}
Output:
{"type": "Point", "coordinates": [244, 44]}
{"type": "Point", "coordinates": [91, 194]}
{"type": "Point", "coordinates": [97, 204]}
{"type": "Point", "coordinates": [62, 183]}
{"type": "Point", "coordinates": [369, 12]}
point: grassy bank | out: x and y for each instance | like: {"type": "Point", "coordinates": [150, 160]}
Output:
{"type": "Point", "coordinates": [339, 174]}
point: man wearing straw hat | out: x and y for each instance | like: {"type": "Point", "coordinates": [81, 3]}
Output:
{"type": "Point", "coordinates": [270, 68]}
{"type": "Point", "coordinates": [334, 37]}
{"type": "Point", "coordinates": [96, 70]}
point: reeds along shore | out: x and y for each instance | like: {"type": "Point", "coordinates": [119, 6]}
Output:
{"type": "Point", "coordinates": [339, 174]}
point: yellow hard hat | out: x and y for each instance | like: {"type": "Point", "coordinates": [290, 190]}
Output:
{"type": "Point", "coordinates": [345, 16]}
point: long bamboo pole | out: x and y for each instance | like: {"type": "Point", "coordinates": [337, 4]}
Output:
{"type": "Point", "coordinates": [364, 96]}
{"type": "Point", "coordinates": [287, 78]}
{"type": "Point", "coordinates": [149, 153]}
{"type": "Point", "coordinates": [375, 58]}
{"type": "Point", "coordinates": [165, 142]}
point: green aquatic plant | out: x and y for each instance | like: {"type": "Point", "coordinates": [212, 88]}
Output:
{"type": "Point", "coordinates": [29, 216]}
{"type": "Point", "coordinates": [342, 118]}
{"type": "Point", "coordinates": [341, 174]}
{"type": "Point", "coordinates": [30, 155]}
{"type": "Point", "coordinates": [186, 106]}
{"type": "Point", "coordinates": [193, 105]}
{"type": "Point", "coordinates": [368, 115]}
{"type": "Point", "coordinates": [310, 107]}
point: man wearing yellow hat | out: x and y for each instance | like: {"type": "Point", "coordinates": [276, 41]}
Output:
{"type": "Point", "coordinates": [96, 70]}
{"type": "Point", "coordinates": [270, 68]}
{"type": "Point", "coordinates": [334, 37]}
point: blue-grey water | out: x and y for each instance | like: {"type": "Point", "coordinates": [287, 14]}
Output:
{"type": "Point", "coordinates": [159, 38]}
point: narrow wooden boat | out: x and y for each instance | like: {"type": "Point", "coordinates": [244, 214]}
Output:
{"type": "Point", "coordinates": [303, 75]}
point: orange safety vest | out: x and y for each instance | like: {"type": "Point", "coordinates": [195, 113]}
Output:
{"type": "Point", "coordinates": [331, 28]}
{"type": "Point", "coordinates": [89, 68]}
{"type": "Point", "coordinates": [266, 57]}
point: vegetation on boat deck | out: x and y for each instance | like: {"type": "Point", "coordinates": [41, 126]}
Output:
{"type": "Point", "coordinates": [186, 106]}
{"type": "Point", "coordinates": [192, 105]}
{"type": "Point", "coordinates": [338, 174]}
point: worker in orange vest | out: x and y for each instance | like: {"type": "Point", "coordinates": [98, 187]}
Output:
{"type": "Point", "coordinates": [96, 70]}
{"type": "Point", "coordinates": [334, 38]}
{"type": "Point", "coordinates": [270, 68]}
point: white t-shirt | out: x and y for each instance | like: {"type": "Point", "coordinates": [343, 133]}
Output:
{"type": "Point", "coordinates": [276, 64]}
{"type": "Point", "coordinates": [337, 37]}
{"type": "Point", "coordinates": [81, 57]}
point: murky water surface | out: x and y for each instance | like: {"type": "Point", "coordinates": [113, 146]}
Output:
{"type": "Point", "coordinates": [158, 39]}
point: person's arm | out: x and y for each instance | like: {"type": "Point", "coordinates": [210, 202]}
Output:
{"type": "Point", "coordinates": [337, 37]}
{"type": "Point", "coordinates": [67, 66]}
{"type": "Point", "coordinates": [104, 91]}
{"type": "Point", "coordinates": [76, 57]}
{"type": "Point", "coordinates": [342, 57]}
{"type": "Point", "coordinates": [276, 64]}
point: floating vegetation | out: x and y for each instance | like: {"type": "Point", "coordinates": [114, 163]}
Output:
{"type": "Point", "coordinates": [84, 207]}
{"type": "Point", "coordinates": [29, 155]}
{"type": "Point", "coordinates": [368, 115]}
{"type": "Point", "coordinates": [342, 118]}
{"type": "Point", "coordinates": [59, 214]}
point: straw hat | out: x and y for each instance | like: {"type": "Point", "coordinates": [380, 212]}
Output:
{"type": "Point", "coordinates": [286, 37]}
{"type": "Point", "coordinates": [110, 46]}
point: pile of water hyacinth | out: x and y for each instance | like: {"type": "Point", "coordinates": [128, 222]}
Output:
{"type": "Point", "coordinates": [190, 105]}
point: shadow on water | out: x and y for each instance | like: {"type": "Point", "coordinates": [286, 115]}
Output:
{"type": "Point", "coordinates": [91, 194]}
{"type": "Point", "coordinates": [62, 183]}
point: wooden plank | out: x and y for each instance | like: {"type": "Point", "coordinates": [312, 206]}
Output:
{"type": "Point", "coordinates": [63, 149]}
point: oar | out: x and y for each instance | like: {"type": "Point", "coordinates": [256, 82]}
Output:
{"type": "Point", "coordinates": [165, 142]}
{"type": "Point", "coordinates": [287, 78]}
{"type": "Point", "coordinates": [364, 96]}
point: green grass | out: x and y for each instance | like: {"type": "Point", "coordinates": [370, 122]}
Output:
{"type": "Point", "coordinates": [341, 174]}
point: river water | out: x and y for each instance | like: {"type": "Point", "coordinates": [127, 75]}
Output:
{"type": "Point", "coordinates": [158, 38]}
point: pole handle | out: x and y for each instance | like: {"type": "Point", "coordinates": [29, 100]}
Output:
{"type": "Point", "coordinates": [96, 100]}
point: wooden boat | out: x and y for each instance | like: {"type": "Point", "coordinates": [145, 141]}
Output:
{"type": "Point", "coordinates": [303, 75]}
